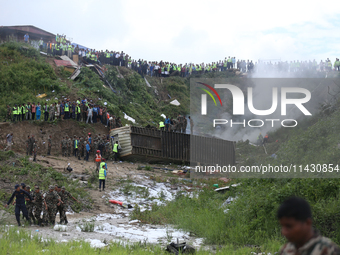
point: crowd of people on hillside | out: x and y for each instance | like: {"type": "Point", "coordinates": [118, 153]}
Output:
{"type": "Point", "coordinates": [62, 46]}
{"type": "Point", "coordinates": [80, 110]}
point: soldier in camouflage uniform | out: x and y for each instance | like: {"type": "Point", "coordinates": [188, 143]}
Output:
{"type": "Point", "coordinates": [52, 201]}
{"type": "Point", "coordinates": [295, 218]}
{"type": "Point", "coordinates": [35, 149]}
{"type": "Point", "coordinates": [49, 145]}
{"type": "Point", "coordinates": [69, 146]}
{"type": "Point", "coordinates": [57, 189]}
{"type": "Point", "coordinates": [29, 204]}
{"type": "Point", "coordinates": [39, 203]}
{"type": "Point", "coordinates": [28, 145]}
{"type": "Point", "coordinates": [52, 112]}
{"type": "Point", "coordinates": [65, 195]}
{"type": "Point", "coordinates": [81, 145]}
{"type": "Point", "coordinates": [107, 150]}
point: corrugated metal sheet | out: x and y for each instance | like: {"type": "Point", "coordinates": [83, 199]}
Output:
{"type": "Point", "coordinates": [66, 58]}
{"type": "Point", "coordinates": [62, 62]}
{"type": "Point", "coordinates": [155, 145]}
{"type": "Point", "coordinates": [124, 139]}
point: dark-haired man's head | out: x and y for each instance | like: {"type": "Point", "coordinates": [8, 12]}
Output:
{"type": "Point", "coordinates": [295, 218]}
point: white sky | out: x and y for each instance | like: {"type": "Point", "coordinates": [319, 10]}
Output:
{"type": "Point", "coordinates": [189, 31]}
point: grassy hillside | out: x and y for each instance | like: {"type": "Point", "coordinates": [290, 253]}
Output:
{"type": "Point", "coordinates": [25, 74]}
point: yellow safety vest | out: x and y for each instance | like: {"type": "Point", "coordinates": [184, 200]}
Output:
{"type": "Point", "coordinates": [101, 174]}
{"type": "Point", "coordinates": [76, 144]}
{"type": "Point", "coordinates": [115, 147]}
{"type": "Point", "coordinates": [161, 124]}
{"type": "Point", "coordinates": [66, 108]}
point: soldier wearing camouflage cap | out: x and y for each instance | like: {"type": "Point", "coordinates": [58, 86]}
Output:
{"type": "Point", "coordinates": [52, 201]}
{"type": "Point", "coordinates": [65, 195]}
{"type": "Point", "coordinates": [39, 201]}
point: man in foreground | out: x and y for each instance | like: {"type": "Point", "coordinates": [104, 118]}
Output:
{"type": "Point", "coordinates": [19, 194]}
{"type": "Point", "coordinates": [296, 222]}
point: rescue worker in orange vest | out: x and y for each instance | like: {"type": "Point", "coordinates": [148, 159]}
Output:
{"type": "Point", "coordinates": [98, 159]}
{"type": "Point", "coordinates": [265, 139]}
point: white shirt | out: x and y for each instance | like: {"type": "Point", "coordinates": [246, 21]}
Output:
{"type": "Point", "coordinates": [90, 111]}
{"type": "Point", "coordinates": [117, 55]}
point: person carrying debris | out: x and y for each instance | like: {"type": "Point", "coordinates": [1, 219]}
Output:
{"type": "Point", "coordinates": [295, 217]}
{"type": "Point", "coordinates": [19, 195]}
{"type": "Point", "coordinates": [102, 177]}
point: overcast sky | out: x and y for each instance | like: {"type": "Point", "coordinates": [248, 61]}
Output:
{"type": "Point", "coordinates": [189, 31]}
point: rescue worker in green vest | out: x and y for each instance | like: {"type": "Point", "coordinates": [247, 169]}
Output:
{"type": "Point", "coordinates": [129, 62]}
{"type": "Point", "coordinates": [69, 51]}
{"type": "Point", "coordinates": [107, 57]}
{"type": "Point", "coordinates": [76, 147]}
{"type": "Point", "coordinates": [19, 112]}
{"type": "Point", "coordinates": [93, 57]}
{"type": "Point", "coordinates": [179, 69]}
{"type": "Point", "coordinates": [116, 150]}
{"type": "Point", "coordinates": [329, 65]}
{"type": "Point", "coordinates": [337, 64]}
{"type": "Point", "coordinates": [161, 125]}
{"type": "Point", "coordinates": [225, 64]}
{"type": "Point", "coordinates": [56, 49]}
{"type": "Point", "coordinates": [229, 61]}
{"type": "Point", "coordinates": [15, 113]}
{"type": "Point", "coordinates": [78, 112]}
{"type": "Point", "coordinates": [67, 110]}
{"type": "Point", "coordinates": [23, 113]}
{"type": "Point", "coordinates": [102, 175]}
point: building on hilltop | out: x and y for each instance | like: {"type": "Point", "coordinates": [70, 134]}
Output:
{"type": "Point", "coordinates": [16, 33]}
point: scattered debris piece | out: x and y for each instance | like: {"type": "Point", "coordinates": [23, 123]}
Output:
{"type": "Point", "coordinates": [178, 248]}
{"type": "Point", "coordinates": [175, 102]}
{"type": "Point", "coordinates": [125, 205]}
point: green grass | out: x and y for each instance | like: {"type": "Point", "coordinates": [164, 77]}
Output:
{"type": "Point", "coordinates": [251, 218]}
{"type": "Point", "coordinates": [14, 241]}
{"type": "Point", "coordinates": [31, 174]}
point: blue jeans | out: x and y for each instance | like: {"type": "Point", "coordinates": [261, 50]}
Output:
{"type": "Point", "coordinates": [100, 184]}
{"type": "Point", "coordinates": [87, 156]}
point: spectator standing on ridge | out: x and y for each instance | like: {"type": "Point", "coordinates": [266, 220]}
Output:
{"type": "Point", "coordinates": [26, 38]}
